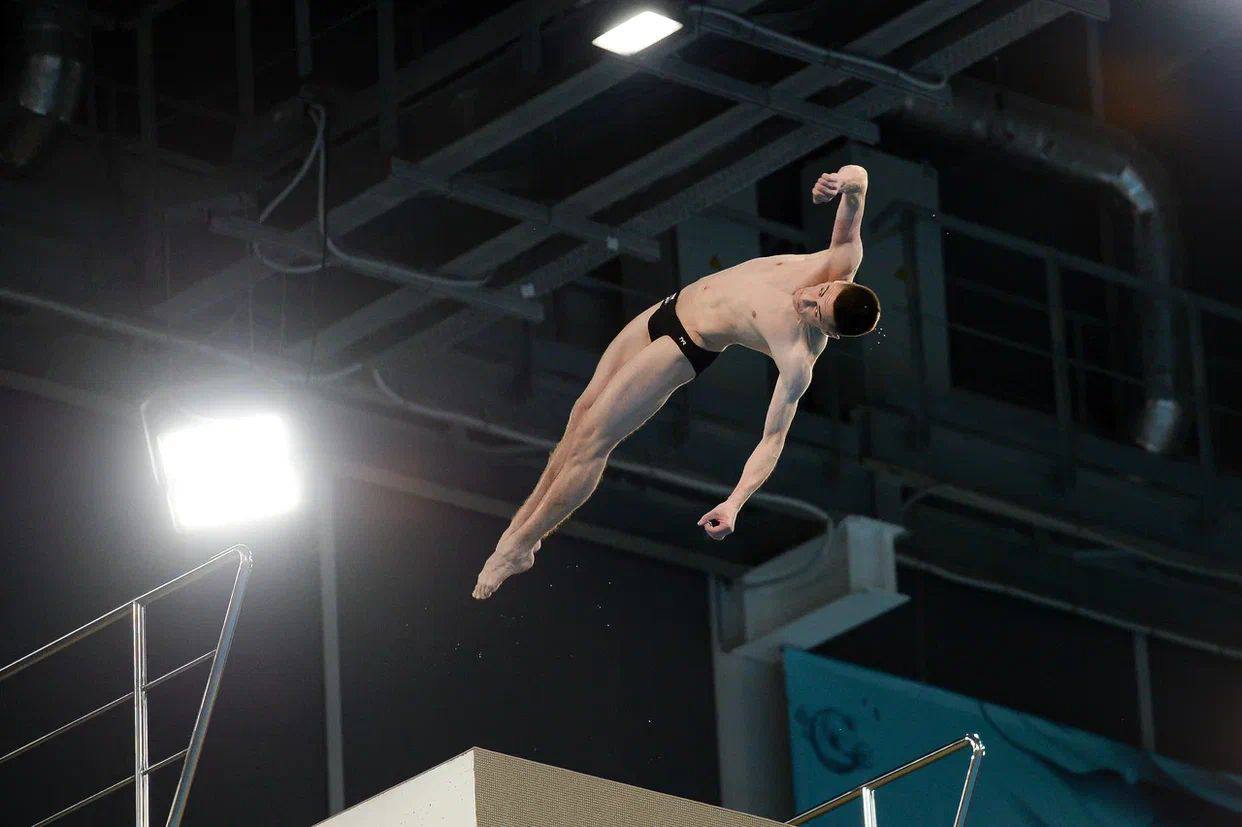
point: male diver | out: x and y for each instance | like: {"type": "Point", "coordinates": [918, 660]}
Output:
{"type": "Point", "coordinates": [786, 307]}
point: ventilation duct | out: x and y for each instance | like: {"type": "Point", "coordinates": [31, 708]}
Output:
{"type": "Point", "coordinates": [50, 69]}
{"type": "Point", "coordinates": [1066, 144]}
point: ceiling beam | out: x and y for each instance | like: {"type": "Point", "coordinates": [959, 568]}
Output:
{"type": "Point", "coordinates": [957, 52]}
{"type": "Point", "coordinates": [662, 162]}
{"type": "Point", "coordinates": [391, 192]}
{"type": "Point", "coordinates": [463, 189]}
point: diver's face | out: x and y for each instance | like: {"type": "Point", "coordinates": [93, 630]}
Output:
{"type": "Point", "coordinates": [815, 307]}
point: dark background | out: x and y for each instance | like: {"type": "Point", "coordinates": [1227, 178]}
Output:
{"type": "Point", "coordinates": [598, 661]}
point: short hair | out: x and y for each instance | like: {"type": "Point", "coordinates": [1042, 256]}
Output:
{"type": "Point", "coordinates": [856, 310]}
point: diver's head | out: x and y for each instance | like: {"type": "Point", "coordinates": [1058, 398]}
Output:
{"type": "Point", "coordinates": [840, 308]}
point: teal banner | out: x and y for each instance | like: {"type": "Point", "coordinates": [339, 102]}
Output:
{"type": "Point", "coordinates": [849, 725]}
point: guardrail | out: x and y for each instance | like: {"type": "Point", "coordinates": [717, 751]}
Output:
{"type": "Point", "coordinates": [867, 791]}
{"type": "Point", "coordinates": [1065, 326]}
{"type": "Point", "coordinates": [135, 611]}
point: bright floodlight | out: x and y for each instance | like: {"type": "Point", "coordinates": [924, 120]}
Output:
{"type": "Point", "coordinates": [637, 33]}
{"type": "Point", "coordinates": [222, 471]}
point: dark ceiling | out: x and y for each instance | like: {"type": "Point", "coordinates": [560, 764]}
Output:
{"type": "Point", "coordinates": [513, 98]}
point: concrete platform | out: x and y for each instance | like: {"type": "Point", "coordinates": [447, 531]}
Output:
{"type": "Point", "coordinates": [480, 788]}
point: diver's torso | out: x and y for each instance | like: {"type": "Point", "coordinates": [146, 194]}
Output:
{"type": "Point", "coordinates": [750, 304]}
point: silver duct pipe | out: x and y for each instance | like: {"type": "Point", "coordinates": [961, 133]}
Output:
{"type": "Point", "coordinates": [1064, 143]}
{"type": "Point", "coordinates": [49, 84]}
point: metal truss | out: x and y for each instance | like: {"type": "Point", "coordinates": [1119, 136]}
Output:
{"type": "Point", "coordinates": [670, 158]}
{"type": "Point", "coordinates": [965, 34]}
{"type": "Point", "coordinates": [954, 56]}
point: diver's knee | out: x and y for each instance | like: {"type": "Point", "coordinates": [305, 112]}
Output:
{"type": "Point", "coordinates": [583, 406]}
{"type": "Point", "coordinates": [591, 442]}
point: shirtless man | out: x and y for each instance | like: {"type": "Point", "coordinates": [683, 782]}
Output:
{"type": "Point", "coordinates": [786, 307]}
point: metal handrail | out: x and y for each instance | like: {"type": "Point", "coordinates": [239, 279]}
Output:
{"type": "Point", "coordinates": [867, 791]}
{"type": "Point", "coordinates": [135, 610]}
{"type": "Point", "coordinates": [901, 216]}
{"type": "Point", "coordinates": [881, 225]}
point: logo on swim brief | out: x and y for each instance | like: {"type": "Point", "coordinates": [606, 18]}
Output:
{"type": "Point", "coordinates": [681, 340]}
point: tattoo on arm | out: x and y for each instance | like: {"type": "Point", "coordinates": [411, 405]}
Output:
{"type": "Point", "coordinates": [852, 195]}
{"type": "Point", "coordinates": [849, 213]}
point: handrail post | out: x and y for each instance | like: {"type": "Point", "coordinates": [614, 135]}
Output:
{"type": "Point", "coordinates": [1060, 372]}
{"type": "Point", "coordinates": [142, 787]}
{"type": "Point", "coordinates": [868, 807]}
{"type": "Point", "coordinates": [180, 798]}
{"type": "Point", "coordinates": [977, 752]}
{"type": "Point", "coordinates": [868, 788]}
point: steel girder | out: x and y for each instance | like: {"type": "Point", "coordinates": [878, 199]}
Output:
{"type": "Point", "coordinates": [957, 54]}
{"type": "Point", "coordinates": [666, 160]}
{"type": "Point", "coordinates": [450, 160]}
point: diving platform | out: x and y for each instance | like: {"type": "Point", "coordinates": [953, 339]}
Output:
{"type": "Point", "coordinates": [480, 788]}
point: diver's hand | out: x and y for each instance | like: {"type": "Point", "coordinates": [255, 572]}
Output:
{"type": "Point", "coordinates": [827, 187]}
{"type": "Point", "coordinates": [720, 521]}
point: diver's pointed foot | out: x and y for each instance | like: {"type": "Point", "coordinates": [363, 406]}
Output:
{"type": "Point", "coordinates": [506, 561]}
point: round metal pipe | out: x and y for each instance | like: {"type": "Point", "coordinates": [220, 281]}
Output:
{"type": "Point", "coordinates": [1063, 142]}
{"type": "Point", "coordinates": [49, 86]}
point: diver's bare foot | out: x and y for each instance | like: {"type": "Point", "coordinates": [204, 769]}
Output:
{"type": "Point", "coordinates": [505, 562]}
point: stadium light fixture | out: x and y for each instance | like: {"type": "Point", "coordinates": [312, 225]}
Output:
{"type": "Point", "coordinates": [227, 470]}
{"type": "Point", "coordinates": [637, 33]}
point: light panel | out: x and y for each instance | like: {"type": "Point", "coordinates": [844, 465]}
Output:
{"type": "Point", "coordinates": [637, 33]}
{"type": "Point", "coordinates": [224, 471]}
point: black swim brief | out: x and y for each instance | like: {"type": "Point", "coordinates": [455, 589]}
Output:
{"type": "Point", "coordinates": [664, 322]}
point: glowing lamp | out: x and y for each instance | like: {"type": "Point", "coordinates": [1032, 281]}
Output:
{"type": "Point", "coordinates": [223, 471]}
{"type": "Point", "coordinates": [637, 33]}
